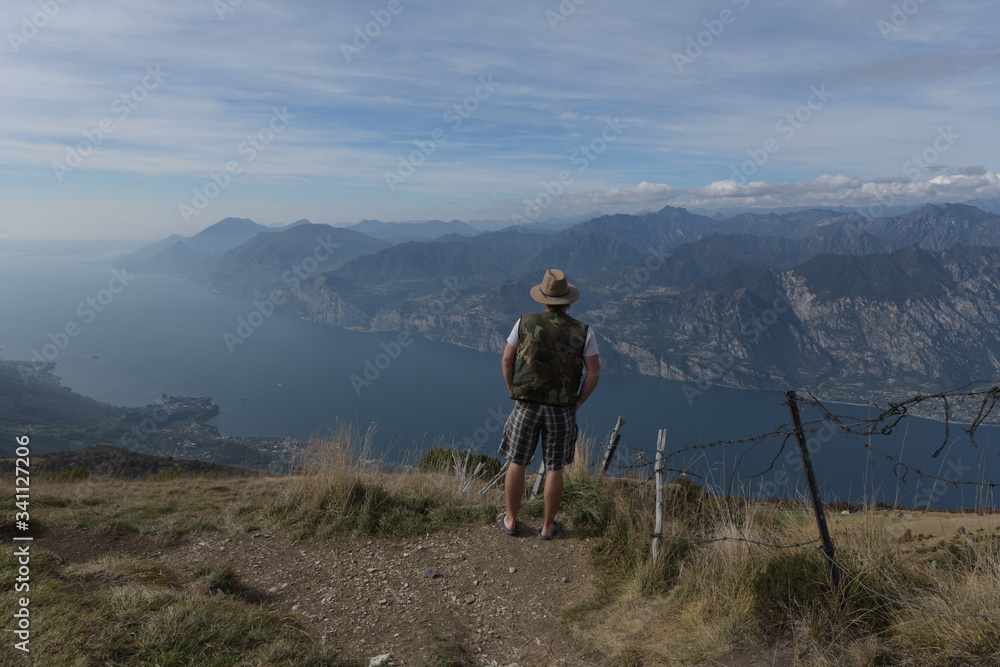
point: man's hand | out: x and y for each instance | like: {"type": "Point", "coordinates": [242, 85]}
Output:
{"type": "Point", "coordinates": [593, 366]}
{"type": "Point", "coordinates": [507, 365]}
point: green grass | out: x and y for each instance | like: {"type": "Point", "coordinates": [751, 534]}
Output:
{"type": "Point", "coordinates": [133, 611]}
{"type": "Point", "coordinates": [699, 600]}
{"type": "Point", "coordinates": [702, 599]}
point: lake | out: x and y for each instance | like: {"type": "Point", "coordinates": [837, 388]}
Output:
{"type": "Point", "coordinates": [128, 338]}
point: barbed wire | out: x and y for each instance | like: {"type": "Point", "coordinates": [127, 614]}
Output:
{"type": "Point", "coordinates": [773, 545]}
{"type": "Point", "coordinates": [860, 429]}
{"type": "Point", "coordinates": [889, 417]}
{"type": "Point", "coordinates": [863, 429]}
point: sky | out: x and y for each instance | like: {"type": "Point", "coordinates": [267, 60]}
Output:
{"type": "Point", "coordinates": [138, 119]}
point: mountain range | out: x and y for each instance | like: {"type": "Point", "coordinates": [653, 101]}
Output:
{"type": "Point", "coordinates": [847, 306]}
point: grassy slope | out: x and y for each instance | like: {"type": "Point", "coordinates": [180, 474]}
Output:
{"type": "Point", "coordinates": [698, 600]}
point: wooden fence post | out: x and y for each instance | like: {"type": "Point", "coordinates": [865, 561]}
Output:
{"type": "Point", "coordinates": [538, 481]}
{"type": "Point", "coordinates": [824, 532]}
{"type": "Point", "coordinates": [660, 472]}
{"type": "Point", "coordinates": [609, 451]}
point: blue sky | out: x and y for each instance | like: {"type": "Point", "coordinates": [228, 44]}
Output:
{"type": "Point", "coordinates": [141, 119]}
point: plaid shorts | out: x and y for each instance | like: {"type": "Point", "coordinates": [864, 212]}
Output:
{"type": "Point", "coordinates": [557, 426]}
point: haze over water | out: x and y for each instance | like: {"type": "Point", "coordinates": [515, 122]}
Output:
{"type": "Point", "coordinates": [138, 336]}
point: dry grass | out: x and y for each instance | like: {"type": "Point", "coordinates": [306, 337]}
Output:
{"type": "Point", "coordinates": [175, 507]}
{"type": "Point", "coordinates": [118, 611]}
{"type": "Point", "coordinates": [337, 493]}
{"type": "Point", "coordinates": [700, 599]}
{"type": "Point", "coordinates": [132, 611]}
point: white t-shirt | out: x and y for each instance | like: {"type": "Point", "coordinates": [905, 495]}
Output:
{"type": "Point", "coordinates": [589, 346]}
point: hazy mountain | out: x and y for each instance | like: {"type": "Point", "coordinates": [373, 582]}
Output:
{"type": "Point", "coordinates": [488, 258]}
{"type": "Point", "coordinates": [911, 273]}
{"type": "Point", "coordinates": [989, 205]}
{"type": "Point", "coordinates": [793, 224]}
{"type": "Point", "coordinates": [282, 227]}
{"type": "Point", "coordinates": [401, 232]}
{"type": "Point", "coordinates": [582, 252]}
{"type": "Point", "coordinates": [216, 239]}
{"type": "Point", "coordinates": [153, 249]}
{"type": "Point", "coordinates": [547, 224]}
{"type": "Point", "coordinates": [716, 254]}
{"type": "Point", "coordinates": [657, 232]}
{"type": "Point", "coordinates": [841, 324]}
{"type": "Point", "coordinates": [282, 258]}
{"type": "Point", "coordinates": [428, 264]}
{"type": "Point", "coordinates": [812, 298]}
{"type": "Point", "coordinates": [940, 226]}
{"type": "Point", "coordinates": [731, 211]}
{"type": "Point", "coordinates": [178, 259]}
{"type": "Point", "coordinates": [225, 234]}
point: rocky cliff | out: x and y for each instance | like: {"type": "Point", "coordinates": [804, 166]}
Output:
{"type": "Point", "coordinates": [835, 303]}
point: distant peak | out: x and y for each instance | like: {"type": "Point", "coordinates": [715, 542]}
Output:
{"type": "Point", "coordinates": [234, 221]}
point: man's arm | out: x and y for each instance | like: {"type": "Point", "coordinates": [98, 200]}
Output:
{"type": "Point", "coordinates": [593, 366]}
{"type": "Point", "coordinates": [507, 364]}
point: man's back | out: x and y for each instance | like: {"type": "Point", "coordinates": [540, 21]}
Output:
{"type": "Point", "coordinates": [549, 363]}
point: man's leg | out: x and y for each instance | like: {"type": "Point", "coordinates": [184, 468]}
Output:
{"type": "Point", "coordinates": [551, 498]}
{"type": "Point", "coordinates": [514, 492]}
{"type": "Point", "coordinates": [559, 435]}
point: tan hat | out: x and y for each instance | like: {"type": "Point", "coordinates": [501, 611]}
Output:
{"type": "Point", "coordinates": [554, 290]}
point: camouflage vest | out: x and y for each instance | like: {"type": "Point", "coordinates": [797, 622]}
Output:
{"type": "Point", "coordinates": [549, 363]}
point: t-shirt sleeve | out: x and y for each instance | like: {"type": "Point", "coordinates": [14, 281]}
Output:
{"type": "Point", "coordinates": [590, 345]}
{"type": "Point", "coordinates": [513, 338]}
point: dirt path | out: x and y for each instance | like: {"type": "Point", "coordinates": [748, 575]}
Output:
{"type": "Point", "coordinates": [474, 595]}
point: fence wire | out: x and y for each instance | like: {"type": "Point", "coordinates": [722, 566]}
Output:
{"type": "Point", "coordinates": [972, 400]}
{"type": "Point", "coordinates": [977, 401]}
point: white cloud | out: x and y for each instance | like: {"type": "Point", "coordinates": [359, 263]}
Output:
{"type": "Point", "coordinates": [689, 130]}
{"type": "Point", "coordinates": [826, 190]}
{"type": "Point", "coordinates": [643, 193]}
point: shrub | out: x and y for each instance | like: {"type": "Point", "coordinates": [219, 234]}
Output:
{"type": "Point", "coordinates": [789, 584]}
{"type": "Point", "coordinates": [441, 459]}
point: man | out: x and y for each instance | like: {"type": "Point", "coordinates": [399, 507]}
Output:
{"type": "Point", "coordinates": [542, 364]}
